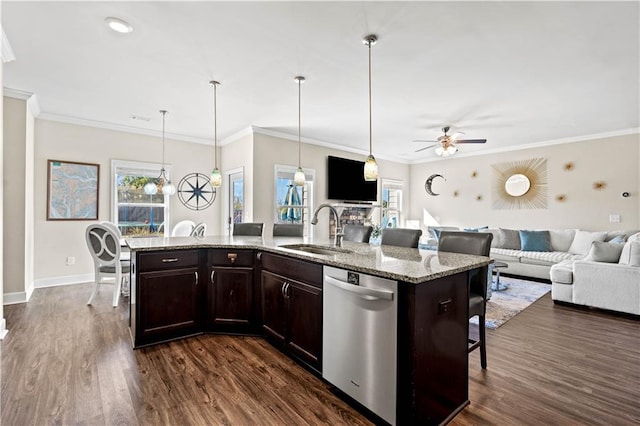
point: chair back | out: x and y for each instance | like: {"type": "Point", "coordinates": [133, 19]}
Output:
{"type": "Point", "coordinates": [288, 230]}
{"type": "Point", "coordinates": [103, 244]}
{"type": "Point", "coordinates": [183, 228]}
{"type": "Point", "coordinates": [401, 237]}
{"type": "Point", "coordinates": [476, 243]}
{"type": "Point", "coordinates": [357, 233]}
{"type": "Point", "coordinates": [113, 227]}
{"type": "Point", "coordinates": [199, 230]}
{"type": "Point", "coordinates": [252, 229]}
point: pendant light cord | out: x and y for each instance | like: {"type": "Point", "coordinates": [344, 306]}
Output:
{"type": "Point", "coordinates": [299, 114]}
{"type": "Point", "coordinates": [370, 114]}
{"type": "Point", "coordinates": [215, 124]}
{"type": "Point", "coordinates": [163, 115]}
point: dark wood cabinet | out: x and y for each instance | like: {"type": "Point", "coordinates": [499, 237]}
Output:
{"type": "Point", "coordinates": [230, 291]}
{"type": "Point", "coordinates": [166, 296]}
{"type": "Point", "coordinates": [292, 306]}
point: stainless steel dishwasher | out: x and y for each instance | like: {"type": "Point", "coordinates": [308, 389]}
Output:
{"type": "Point", "coordinates": [359, 338]}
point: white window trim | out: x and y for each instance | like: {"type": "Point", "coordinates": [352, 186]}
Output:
{"type": "Point", "coordinates": [310, 175]}
{"type": "Point", "coordinates": [154, 170]}
{"type": "Point", "coordinates": [392, 184]}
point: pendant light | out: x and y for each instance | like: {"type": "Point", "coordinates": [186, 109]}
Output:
{"type": "Point", "coordinates": [216, 176]}
{"type": "Point", "coordinates": [168, 188]}
{"type": "Point", "coordinates": [370, 165]}
{"type": "Point", "coordinates": [299, 178]}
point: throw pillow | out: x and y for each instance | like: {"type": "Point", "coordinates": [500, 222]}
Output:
{"type": "Point", "coordinates": [476, 229]}
{"type": "Point", "coordinates": [535, 240]}
{"type": "Point", "coordinates": [581, 243]}
{"type": "Point", "coordinates": [561, 239]}
{"type": "Point", "coordinates": [604, 252]}
{"type": "Point", "coordinates": [509, 239]}
{"type": "Point", "coordinates": [617, 240]}
{"type": "Point", "coordinates": [630, 254]}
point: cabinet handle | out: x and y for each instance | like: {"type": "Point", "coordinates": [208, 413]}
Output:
{"type": "Point", "coordinates": [258, 255]}
{"type": "Point", "coordinates": [232, 257]}
{"type": "Point", "coordinates": [284, 285]}
{"type": "Point", "coordinates": [231, 293]}
{"type": "Point", "coordinates": [170, 260]}
{"type": "Point", "coordinates": [212, 275]}
{"type": "Point", "coordinates": [196, 277]}
{"type": "Point", "coordinates": [286, 290]}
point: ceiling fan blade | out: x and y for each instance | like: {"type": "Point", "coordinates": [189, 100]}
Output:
{"type": "Point", "coordinates": [423, 140]}
{"type": "Point", "coordinates": [426, 147]}
{"type": "Point", "coordinates": [471, 141]}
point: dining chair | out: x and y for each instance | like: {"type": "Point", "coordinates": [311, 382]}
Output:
{"type": "Point", "coordinates": [479, 244]}
{"type": "Point", "coordinates": [199, 230]}
{"type": "Point", "coordinates": [253, 229]}
{"type": "Point", "coordinates": [401, 237]}
{"type": "Point", "coordinates": [183, 228]}
{"type": "Point", "coordinates": [104, 247]}
{"type": "Point", "coordinates": [288, 230]}
{"type": "Point", "coordinates": [357, 233]}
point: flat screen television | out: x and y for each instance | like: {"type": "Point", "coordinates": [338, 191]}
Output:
{"type": "Point", "coordinates": [345, 179]}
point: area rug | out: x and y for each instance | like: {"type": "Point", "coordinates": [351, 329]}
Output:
{"type": "Point", "coordinates": [508, 303]}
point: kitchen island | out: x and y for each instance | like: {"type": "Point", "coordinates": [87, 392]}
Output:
{"type": "Point", "coordinates": [182, 286]}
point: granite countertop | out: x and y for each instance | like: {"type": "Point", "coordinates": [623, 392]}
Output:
{"type": "Point", "coordinates": [397, 263]}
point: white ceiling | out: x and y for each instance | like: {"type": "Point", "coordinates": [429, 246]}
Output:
{"type": "Point", "coordinates": [515, 73]}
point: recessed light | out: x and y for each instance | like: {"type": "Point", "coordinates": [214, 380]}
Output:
{"type": "Point", "coordinates": [118, 25]}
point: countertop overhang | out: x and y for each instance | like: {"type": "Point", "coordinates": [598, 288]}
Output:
{"type": "Point", "coordinates": [397, 263]}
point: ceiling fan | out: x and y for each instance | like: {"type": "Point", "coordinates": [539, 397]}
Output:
{"type": "Point", "coordinates": [446, 144]}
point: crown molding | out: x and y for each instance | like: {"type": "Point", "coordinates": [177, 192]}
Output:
{"type": "Point", "coordinates": [121, 128]}
{"type": "Point", "coordinates": [574, 139]}
{"type": "Point", "coordinates": [7, 51]}
{"type": "Point", "coordinates": [330, 145]}
{"type": "Point", "coordinates": [30, 98]}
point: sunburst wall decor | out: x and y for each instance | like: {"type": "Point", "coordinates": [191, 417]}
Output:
{"type": "Point", "coordinates": [535, 197]}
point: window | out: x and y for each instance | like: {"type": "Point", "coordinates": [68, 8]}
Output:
{"type": "Point", "coordinates": [133, 211]}
{"type": "Point", "coordinates": [391, 203]}
{"type": "Point", "coordinates": [293, 203]}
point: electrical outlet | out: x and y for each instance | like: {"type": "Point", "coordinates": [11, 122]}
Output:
{"type": "Point", "coordinates": [614, 218]}
{"type": "Point", "coordinates": [71, 260]}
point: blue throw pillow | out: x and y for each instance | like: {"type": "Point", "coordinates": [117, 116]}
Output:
{"type": "Point", "coordinates": [476, 229]}
{"type": "Point", "coordinates": [535, 241]}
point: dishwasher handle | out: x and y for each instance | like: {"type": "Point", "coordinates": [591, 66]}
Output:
{"type": "Point", "coordinates": [368, 293]}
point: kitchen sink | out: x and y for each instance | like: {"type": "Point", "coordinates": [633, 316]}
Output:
{"type": "Point", "coordinates": [316, 249]}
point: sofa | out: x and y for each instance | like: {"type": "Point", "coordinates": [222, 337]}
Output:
{"type": "Point", "coordinates": [607, 278]}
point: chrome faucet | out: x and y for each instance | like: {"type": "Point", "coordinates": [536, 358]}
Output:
{"type": "Point", "coordinates": [338, 237]}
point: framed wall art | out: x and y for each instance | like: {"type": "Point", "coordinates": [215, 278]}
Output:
{"type": "Point", "coordinates": [72, 190]}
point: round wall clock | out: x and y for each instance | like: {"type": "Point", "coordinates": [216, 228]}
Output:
{"type": "Point", "coordinates": [195, 191]}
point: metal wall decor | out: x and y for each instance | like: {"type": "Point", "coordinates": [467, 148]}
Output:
{"type": "Point", "coordinates": [599, 185]}
{"type": "Point", "coordinates": [196, 192]}
{"type": "Point", "coordinates": [533, 171]}
{"type": "Point", "coordinates": [429, 182]}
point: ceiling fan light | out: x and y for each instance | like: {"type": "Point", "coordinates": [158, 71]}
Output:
{"type": "Point", "coordinates": [370, 169]}
{"type": "Point", "coordinates": [439, 151]}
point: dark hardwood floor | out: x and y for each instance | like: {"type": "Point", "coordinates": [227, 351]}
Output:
{"type": "Point", "coordinates": [66, 363]}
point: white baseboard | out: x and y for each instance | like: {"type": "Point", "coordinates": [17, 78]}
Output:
{"type": "Point", "coordinates": [3, 328]}
{"type": "Point", "coordinates": [66, 280]}
{"type": "Point", "coordinates": [17, 297]}
{"type": "Point", "coordinates": [24, 296]}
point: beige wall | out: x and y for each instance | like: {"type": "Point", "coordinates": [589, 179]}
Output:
{"type": "Point", "coordinates": [18, 213]}
{"type": "Point", "coordinates": [56, 240]}
{"type": "Point", "coordinates": [270, 150]}
{"type": "Point", "coordinates": [237, 155]}
{"type": "Point", "coordinates": [611, 160]}
{"type": "Point", "coordinates": [2, 320]}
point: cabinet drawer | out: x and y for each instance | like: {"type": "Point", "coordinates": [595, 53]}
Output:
{"type": "Point", "coordinates": [307, 272]}
{"type": "Point", "coordinates": [224, 257]}
{"type": "Point", "coordinates": [154, 261]}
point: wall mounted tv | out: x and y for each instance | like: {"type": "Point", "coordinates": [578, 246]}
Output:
{"type": "Point", "coordinates": [345, 179]}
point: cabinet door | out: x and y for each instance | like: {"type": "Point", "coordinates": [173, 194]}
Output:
{"type": "Point", "coordinates": [169, 304]}
{"type": "Point", "coordinates": [304, 337]}
{"type": "Point", "coordinates": [274, 321]}
{"type": "Point", "coordinates": [230, 298]}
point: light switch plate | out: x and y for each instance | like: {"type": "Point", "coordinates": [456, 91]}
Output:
{"type": "Point", "coordinates": [614, 218]}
